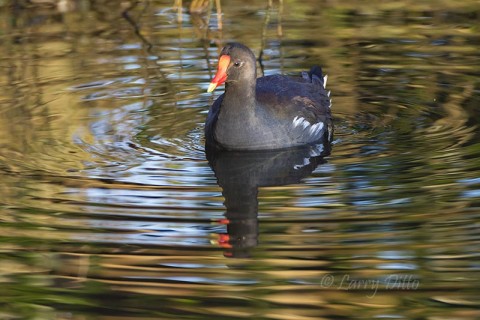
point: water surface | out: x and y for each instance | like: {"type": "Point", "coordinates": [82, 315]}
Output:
{"type": "Point", "coordinates": [111, 209]}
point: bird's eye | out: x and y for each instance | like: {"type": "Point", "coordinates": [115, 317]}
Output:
{"type": "Point", "coordinates": [237, 63]}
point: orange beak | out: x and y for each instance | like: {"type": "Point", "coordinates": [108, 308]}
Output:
{"type": "Point", "coordinates": [221, 75]}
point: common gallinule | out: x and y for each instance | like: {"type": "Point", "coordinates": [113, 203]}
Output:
{"type": "Point", "coordinates": [271, 112]}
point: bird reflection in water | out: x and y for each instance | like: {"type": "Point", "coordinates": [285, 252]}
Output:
{"type": "Point", "coordinates": [240, 174]}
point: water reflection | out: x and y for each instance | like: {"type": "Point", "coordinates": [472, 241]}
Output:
{"type": "Point", "coordinates": [240, 174]}
{"type": "Point", "coordinates": [109, 209]}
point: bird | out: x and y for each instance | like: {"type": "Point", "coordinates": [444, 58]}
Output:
{"type": "Point", "coordinates": [269, 112]}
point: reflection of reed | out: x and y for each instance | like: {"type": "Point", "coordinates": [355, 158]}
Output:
{"type": "Point", "coordinates": [198, 7]}
{"type": "Point", "coordinates": [149, 48]}
{"type": "Point", "coordinates": [265, 26]}
{"type": "Point", "coordinates": [127, 16]}
{"type": "Point", "coordinates": [23, 84]}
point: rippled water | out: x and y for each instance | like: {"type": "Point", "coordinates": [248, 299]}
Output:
{"type": "Point", "coordinates": [111, 209]}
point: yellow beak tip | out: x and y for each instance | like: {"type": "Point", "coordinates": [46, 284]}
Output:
{"type": "Point", "coordinates": [211, 87]}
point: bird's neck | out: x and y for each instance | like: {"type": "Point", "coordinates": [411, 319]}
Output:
{"type": "Point", "coordinates": [239, 97]}
{"type": "Point", "coordinates": [237, 118]}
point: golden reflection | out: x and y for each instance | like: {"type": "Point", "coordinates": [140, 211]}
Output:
{"type": "Point", "coordinates": [108, 205]}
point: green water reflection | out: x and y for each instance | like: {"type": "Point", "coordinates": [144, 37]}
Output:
{"type": "Point", "coordinates": [109, 208]}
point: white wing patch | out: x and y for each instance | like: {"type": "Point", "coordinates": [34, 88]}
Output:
{"type": "Point", "coordinates": [325, 78]}
{"type": "Point", "coordinates": [311, 129]}
{"type": "Point", "coordinates": [300, 121]}
{"type": "Point", "coordinates": [316, 128]}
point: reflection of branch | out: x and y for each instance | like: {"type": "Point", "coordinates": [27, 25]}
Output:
{"type": "Point", "coordinates": [209, 14]}
{"type": "Point", "coordinates": [179, 6]}
{"type": "Point", "coordinates": [149, 46]}
{"type": "Point", "coordinates": [200, 15]}
{"type": "Point", "coordinates": [280, 13]}
{"type": "Point", "coordinates": [265, 28]}
{"type": "Point", "coordinates": [280, 30]}
{"type": "Point", "coordinates": [136, 28]}
{"type": "Point", "coordinates": [219, 14]}
{"type": "Point", "coordinates": [199, 6]}
{"type": "Point", "coordinates": [264, 35]}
